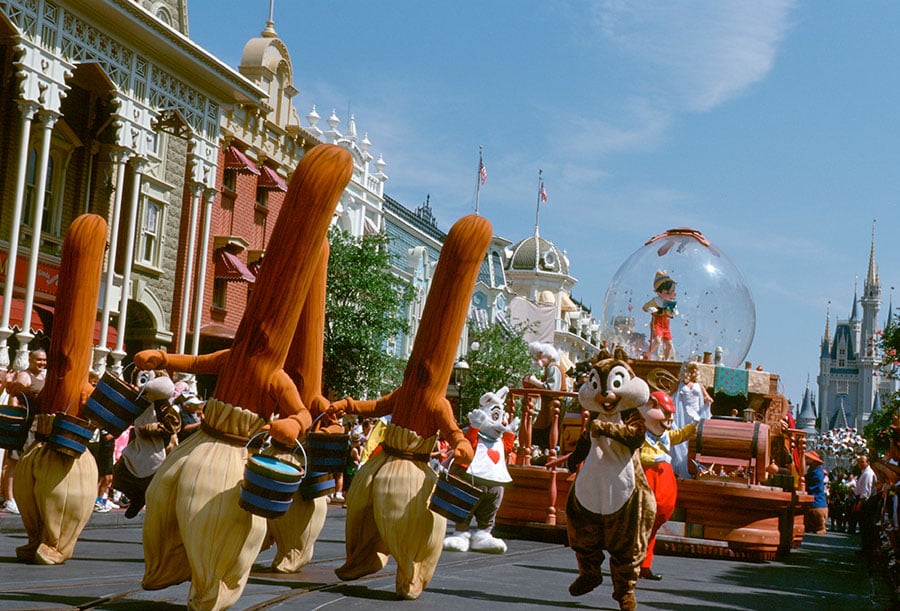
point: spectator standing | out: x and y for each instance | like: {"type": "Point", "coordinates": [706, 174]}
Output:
{"type": "Point", "coordinates": [866, 506]}
{"type": "Point", "coordinates": [27, 384]}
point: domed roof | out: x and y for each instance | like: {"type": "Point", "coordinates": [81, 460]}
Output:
{"type": "Point", "coordinates": [550, 258]}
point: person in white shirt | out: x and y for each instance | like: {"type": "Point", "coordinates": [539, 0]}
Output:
{"type": "Point", "coordinates": [866, 505]}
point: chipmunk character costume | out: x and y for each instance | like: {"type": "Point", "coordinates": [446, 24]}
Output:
{"type": "Point", "coordinates": [387, 506]}
{"type": "Point", "coordinates": [492, 435]}
{"type": "Point", "coordinates": [610, 505]}
{"type": "Point", "coordinates": [194, 528]}
{"type": "Point", "coordinates": [56, 492]}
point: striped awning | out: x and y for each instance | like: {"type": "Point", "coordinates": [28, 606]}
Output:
{"type": "Point", "coordinates": [269, 179]}
{"type": "Point", "coordinates": [235, 159]}
{"type": "Point", "coordinates": [230, 268]}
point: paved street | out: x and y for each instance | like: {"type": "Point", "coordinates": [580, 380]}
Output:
{"type": "Point", "coordinates": [108, 564]}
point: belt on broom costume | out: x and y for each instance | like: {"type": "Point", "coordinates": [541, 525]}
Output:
{"type": "Point", "coordinates": [55, 492]}
{"type": "Point", "coordinates": [194, 528]}
{"type": "Point", "coordinates": [387, 506]}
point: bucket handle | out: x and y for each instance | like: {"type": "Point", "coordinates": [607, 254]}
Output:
{"type": "Point", "coordinates": [267, 442]}
{"type": "Point", "coordinates": [27, 406]}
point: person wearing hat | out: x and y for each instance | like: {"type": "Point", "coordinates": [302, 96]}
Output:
{"type": "Point", "coordinates": [656, 459]}
{"type": "Point", "coordinates": [662, 308]}
{"type": "Point", "coordinates": [815, 486]}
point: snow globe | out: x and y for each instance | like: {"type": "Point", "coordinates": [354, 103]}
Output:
{"type": "Point", "coordinates": [711, 310]}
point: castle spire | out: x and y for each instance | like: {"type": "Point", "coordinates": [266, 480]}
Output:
{"type": "Point", "coordinates": [853, 309]}
{"type": "Point", "coordinates": [872, 274]}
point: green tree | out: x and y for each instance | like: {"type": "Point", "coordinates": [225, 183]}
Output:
{"type": "Point", "coordinates": [498, 356]}
{"type": "Point", "coordinates": [364, 308]}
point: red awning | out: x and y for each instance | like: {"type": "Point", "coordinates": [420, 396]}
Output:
{"type": "Point", "coordinates": [42, 320]}
{"type": "Point", "coordinates": [269, 179]}
{"type": "Point", "coordinates": [235, 159]}
{"type": "Point", "coordinates": [230, 268]}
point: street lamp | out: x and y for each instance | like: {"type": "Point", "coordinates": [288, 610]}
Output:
{"type": "Point", "coordinates": [458, 378]}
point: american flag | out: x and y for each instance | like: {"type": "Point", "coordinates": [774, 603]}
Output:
{"type": "Point", "coordinates": [543, 193]}
{"type": "Point", "coordinates": [482, 171]}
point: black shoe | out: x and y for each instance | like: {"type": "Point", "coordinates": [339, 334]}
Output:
{"type": "Point", "coordinates": [584, 584]}
{"type": "Point", "coordinates": [648, 574]}
{"type": "Point", "coordinates": [133, 509]}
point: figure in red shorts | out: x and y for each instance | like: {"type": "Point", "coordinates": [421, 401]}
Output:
{"type": "Point", "coordinates": [656, 461]}
{"type": "Point", "coordinates": [662, 308]}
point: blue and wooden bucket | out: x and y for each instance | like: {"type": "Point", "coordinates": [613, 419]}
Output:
{"type": "Point", "coordinates": [269, 485]}
{"type": "Point", "coordinates": [454, 498]}
{"type": "Point", "coordinates": [69, 434]}
{"type": "Point", "coordinates": [14, 424]}
{"type": "Point", "coordinates": [114, 405]}
{"type": "Point", "coordinates": [316, 484]}
{"type": "Point", "coordinates": [327, 452]}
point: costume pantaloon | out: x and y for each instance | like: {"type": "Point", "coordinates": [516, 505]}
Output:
{"type": "Point", "coordinates": [665, 489]}
{"type": "Point", "coordinates": [194, 528]}
{"type": "Point", "coordinates": [623, 534]}
{"type": "Point", "coordinates": [55, 494]}
{"type": "Point", "coordinates": [295, 533]}
{"type": "Point", "coordinates": [388, 514]}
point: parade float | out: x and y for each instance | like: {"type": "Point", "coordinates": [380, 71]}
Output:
{"type": "Point", "coordinates": [745, 498]}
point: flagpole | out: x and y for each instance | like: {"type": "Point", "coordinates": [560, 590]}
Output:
{"type": "Point", "coordinates": [478, 177]}
{"type": "Point", "coordinates": [537, 212]}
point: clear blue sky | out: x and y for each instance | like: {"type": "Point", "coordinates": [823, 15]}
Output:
{"type": "Point", "coordinates": [771, 126]}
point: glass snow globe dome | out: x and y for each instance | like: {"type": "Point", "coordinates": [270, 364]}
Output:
{"type": "Point", "coordinates": [714, 311]}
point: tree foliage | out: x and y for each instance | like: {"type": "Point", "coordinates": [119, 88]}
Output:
{"type": "Point", "coordinates": [364, 308]}
{"type": "Point", "coordinates": [498, 356]}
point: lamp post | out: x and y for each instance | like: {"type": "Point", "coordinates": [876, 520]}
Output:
{"type": "Point", "coordinates": [454, 392]}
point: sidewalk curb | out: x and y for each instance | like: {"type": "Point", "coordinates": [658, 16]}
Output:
{"type": "Point", "coordinates": [12, 523]}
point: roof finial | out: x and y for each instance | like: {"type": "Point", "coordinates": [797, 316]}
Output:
{"type": "Point", "coordinates": [269, 32]}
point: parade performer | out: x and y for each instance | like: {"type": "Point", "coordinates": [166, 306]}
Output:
{"type": "Point", "coordinates": [56, 492]}
{"type": "Point", "coordinates": [492, 435]}
{"type": "Point", "coordinates": [387, 507]}
{"type": "Point", "coordinates": [553, 377]}
{"type": "Point", "coordinates": [194, 528]}
{"type": "Point", "coordinates": [295, 533]}
{"type": "Point", "coordinates": [610, 505]}
{"type": "Point", "coordinates": [659, 441]}
{"type": "Point", "coordinates": [662, 308]}
{"type": "Point", "coordinates": [692, 404]}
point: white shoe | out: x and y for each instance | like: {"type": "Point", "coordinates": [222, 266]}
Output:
{"type": "Point", "coordinates": [10, 506]}
{"type": "Point", "coordinates": [483, 541]}
{"type": "Point", "coordinates": [458, 542]}
{"type": "Point", "coordinates": [338, 497]}
{"type": "Point", "coordinates": [101, 507]}
{"type": "Point", "coordinates": [110, 505]}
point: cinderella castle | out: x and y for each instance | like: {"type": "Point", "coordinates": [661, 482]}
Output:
{"type": "Point", "coordinates": [850, 380]}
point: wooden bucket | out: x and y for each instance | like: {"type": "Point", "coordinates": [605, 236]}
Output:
{"type": "Point", "coordinates": [14, 424]}
{"type": "Point", "coordinates": [454, 498]}
{"type": "Point", "coordinates": [114, 404]}
{"type": "Point", "coordinates": [731, 439]}
{"type": "Point", "coordinates": [269, 485]}
{"type": "Point", "coordinates": [327, 452]}
{"type": "Point", "coordinates": [316, 484]}
{"type": "Point", "coordinates": [70, 435]}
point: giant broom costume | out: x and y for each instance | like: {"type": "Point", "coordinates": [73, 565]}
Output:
{"type": "Point", "coordinates": [194, 528]}
{"type": "Point", "coordinates": [387, 505]}
{"type": "Point", "coordinates": [55, 492]}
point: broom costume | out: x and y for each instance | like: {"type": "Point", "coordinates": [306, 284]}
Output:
{"type": "Point", "coordinates": [194, 528]}
{"type": "Point", "coordinates": [55, 491]}
{"type": "Point", "coordinates": [295, 532]}
{"type": "Point", "coordinates": [387, 505]}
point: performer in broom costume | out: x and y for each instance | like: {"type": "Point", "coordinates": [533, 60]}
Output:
{"type": "Point", "coordinates": [295, 532]}
{"type": "Point", "coordinates": [387, 506]}
{"type": "Point", "coordinates": [194, 528]}
{"type": "Point", "coordinates": [55, 491]}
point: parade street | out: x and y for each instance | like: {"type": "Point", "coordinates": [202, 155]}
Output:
{"type": "Point", "coordinates": [106, 570]}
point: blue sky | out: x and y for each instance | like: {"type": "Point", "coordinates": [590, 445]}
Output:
{"type": "Point", "coordinates": [771, 126]}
